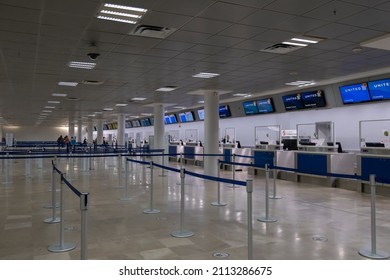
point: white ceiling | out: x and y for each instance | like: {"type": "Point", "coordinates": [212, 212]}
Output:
{"type": "Point", "coordinates": [39, 37]}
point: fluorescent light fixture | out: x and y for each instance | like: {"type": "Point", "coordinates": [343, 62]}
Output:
{"type": "Point", "coordinates": [201, 102]}
{"type": "Point", "coordinates": [121, 105]}
{"type": "Point", "coordinates": [146, 114]}
{"type": "Point", "coordinates": [47, 111]}
{"type": "Point", "coordinates": [82, 65]}
{"type": "Point", "coordinates": [108, 109]}
{"type": "Point", "coordinates": [92, 115]}
{"type": "Point", "coordinates": [44, 114]}
{"type": "Point", "coordinates": [246, 95]}
{"type": "Point", "coordinates": [166, 89]}
{"type": "Point", "coordinates": [179, 107]}
{"type": "Point", "coordinates": [301, 83]}
{"type": "Point", "coordinates": [304, 40]}
{"type": "Point", "coordinates": [59, 94]}
{"type": "Point", "coordinates": [68, 84]}
{"type": "Point", "coordinates": [50, 107]}
{"type": "Point", "coordinates": [295, 44]}
{"type": "Point", "coordinates": [120, 13]}
{"type": "Point", "coordinates": [127, 8]}
{"type": "Point", "coordinates": [138, 98]}
{"type": "Point", "coordinates": [53, 102]}
{"type": "Point", "coordinates": [205, 75]}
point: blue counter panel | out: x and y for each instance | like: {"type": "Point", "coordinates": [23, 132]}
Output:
{"type": "Point", "coordinates": [378, 166]}
{"type": "Point", "coordinates": [172, 150]}
{"type": "Point", "coordinates": [312, 164]}
{"type": "Point", "coordinates": [262, 158]}
{"type": "Point", "coordinates": [189, 152]}
{"type": "Point", "coordinates": [227, 153]}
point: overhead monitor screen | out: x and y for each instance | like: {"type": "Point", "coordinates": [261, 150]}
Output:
{"type": "Point", "coordinates": [173, 119]}
{"type": "Point", "coordinates": [201, 114]}
{"type": "Point", "coordinates": [128, 124]}
{"type": "Point", "coordinates": [145, 122]}
{"type": "Point", "coordinates": [250, 107]}
{"type": "Point", "coordinates": [355, 93]}
{"type": "Point", "coordinates": [313, 99]}
{"type": "Point", "coordinates": [293, 102]}
{"type": "Point", "coordinates": [379, 90]}
{"type": "Point", "coordinates": [224, 111]}
{"type": "Point", "coordinates": [135, 123]}
{"type": "Point", "coordinates": [167, 120]}
{"type": "Point", "coordinates": [186, 117]}
{"type": "Point", "coordinates": [265, 106]}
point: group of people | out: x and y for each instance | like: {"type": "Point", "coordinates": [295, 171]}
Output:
{"type": "Point", "coordinates": [68, 142]}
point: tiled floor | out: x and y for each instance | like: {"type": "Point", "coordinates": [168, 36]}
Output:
{"type": "Point", "coordinates": [313, 221]}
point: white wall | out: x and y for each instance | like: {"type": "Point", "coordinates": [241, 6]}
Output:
{"type": "Point", "coordinates": [35, 133]}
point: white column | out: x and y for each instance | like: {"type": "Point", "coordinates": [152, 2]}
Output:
{"type": "Point", "coordinates": [211, 131]}
{"type": "Point", "coordinates": [120, 138]}
{"type": "Point", "coordinates": [79, 131]}
{"type": "Point", "coordinates": [90, 131]}
{"type": "Point", "coordinates": [99, 137]}
{"type": "Point", "coordinates": [71, 127]}
{"type": "Point", "coordinates": [159, 129]}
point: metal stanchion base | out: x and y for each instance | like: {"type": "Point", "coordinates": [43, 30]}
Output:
{"type": "Point", "coordinates": [182, 233]}
{"type": "Point", "coordinates": [151, 211]}
{"type": "Point", "coordinates": [50, 206]}
{"type": "Point", "coordinates": [57, 248]}
{"type": "Point", "coordinates": [378, 255]}
{"type": "Point", "coordinates": [52, 221]}
{"type": "Point", "coordinates": [274, 197]}
{"type": "Point", "coordinates": [216, 203]}
{"type": "Point", "coordinates": [267, 220]}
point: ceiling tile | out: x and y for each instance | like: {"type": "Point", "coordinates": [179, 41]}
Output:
{"type": "Point", "coordinates": [264, 18]}
{"type": "Point", "coordinates": [367, 18]}
{"type": "Point", "coordinates": [222, 41]}
{"type": "Point", "coordinates": [242, 31]}
{"type": "Point", "coordinates": [332, 30]}
{"type": "Point", "coordinates": [300, 24]}
{"type": "Point", "coordinates": [188, 36]}
{"type": "Point", "coordinates": [164, 19]}
{"type": "Point", "coordinates": [227, 12]}
{"type": "Point", "coordinates": [205, 26]}
{"type": "Point", "coordinates": [295, 7]}
{"type": "Point", "coordinates": [335, 11]}
{"type": "Point", "coordinates": [275, 36]}
{"type": "Point", "coordinates": [189, 8]}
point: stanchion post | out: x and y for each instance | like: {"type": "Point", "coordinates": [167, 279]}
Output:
{"type": "Point", "coordinates": [249, 191]}
{"type": "Point", "coordinates": [373, 253]}
{"type": "Point", "coordinates": [218, 202]}
{"type": "Point", "coordinates": [84, 227]}
{"type": "Point", "coordinates": [62, 246]}
{"type": "Point", "coordinates": [53, 219]}
{"type": "Point", "coordinates": [181, 233]}
{"type": "Point", "coordinates": [267, 218]}
{"type": "Point", "coordinates": [274, 174]}
{"type": "Point", "coordinates": [151, 210]}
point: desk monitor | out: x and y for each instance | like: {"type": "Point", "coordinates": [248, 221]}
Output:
{"type": "Point", "coordinates": [263, 142]}
{"type": "Point", "coordinates": [375, 145]}
{"type": "Point", "coordinates": [305, 143]}
{"type": "Point", "coordinates": [290, 144]}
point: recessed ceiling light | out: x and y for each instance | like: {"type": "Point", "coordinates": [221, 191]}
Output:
{"type": "Point", "coordinates": [59, 94]}
{"type": "Point", "coordinates": [295, 44]}
{"type": "Point", "coordinates": [121, 105]}
{"type": "Point", "coordinates": [242, 95]}
{"type": "Point", "coordinates": [201, 101]}
{"type": "Point", "coordinates": [301, 83]}
{"type": "Point", "coordinates": [205, 75]}
{"type": "Point", "coordinates": [47, 111]}
{"type": "Point", "coordinates": [167, 88]}
{"type": "Point", "coordinates": [120, 13]}
{"type": "Point", "coordinates": [179, 107]}
{"type": "Point", "coordinates": [82, 65]}
{"type": "Point", "coordinates": [304, 40]}
{"type": "Point", "coordinates": [68, 84]}
{"type": "Point", "coordinates": [146, 114]}
{"type": "Point", "coordinates": [92, 115]}
{"type": "Point", "coordinates": [53, 102]}
{"type": "Point", "coordinates": [50, 107]}
{"type": "Point", "coordinates": [108, 109]}
{"type": "Point", "coordinates": [138, 99]}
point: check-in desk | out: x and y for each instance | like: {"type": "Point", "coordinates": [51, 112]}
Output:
{"type": "Point", "coordinates": [316, 148]}
{"type": "Point", "coordinates": [377, 164]}
{"type": "Point", "coordinates": [175, 149]}
{"type": "Point", "coordinates": [228, 150]}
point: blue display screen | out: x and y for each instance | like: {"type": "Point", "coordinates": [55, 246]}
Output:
{"type": "Point", "coordinates": [265, 106]}
{"type": "Point", "coordinates": [201, 114]}
{"type": "Point", "coordinates": [128, 124]}
{"type": "Point", "coordinates": [293, 102]}
{"type": "Point", "coordinates": [145, 122]}
{"type": "Point", "coordinates": [224, 111]}
{"type": "Point", "coordinates": [250, 108]}
{"type": "Point", "coordinates": [167, 120]}
{"type": "Point", "coordinates": [173, 119]}
{"type": "Point", "coordinates": [355, 93]}
{"type": "Point", "coordinates": [186, 117]}
{"type": "Point", "coordinates": [135, 123]}
{"type": "Point", "coordinates": [313, 99]}
{"type": "Point", "coordinates": [379, 90]}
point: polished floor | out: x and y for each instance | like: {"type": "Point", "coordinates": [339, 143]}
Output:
{"type": "Point", "coordinates": [313, 221]}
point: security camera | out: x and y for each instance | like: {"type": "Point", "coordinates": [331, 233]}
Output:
{"type": "Point", "coordinates": [93, 51]}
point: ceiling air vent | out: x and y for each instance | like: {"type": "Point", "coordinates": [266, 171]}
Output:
{"type": "Point", "coordinates": [280, 48]}
{"type": "Point", "coordinates": [91, 82]}
{"type": "Point", "coordinates": [152, 31]}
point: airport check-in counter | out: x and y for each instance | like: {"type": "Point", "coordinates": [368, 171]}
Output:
{"type": "Point", "coordinates": [228, 150]}
{"type": "Point", "coordinates": [318, 148]}
{"type": "Point", "coordinates": [378, 164]}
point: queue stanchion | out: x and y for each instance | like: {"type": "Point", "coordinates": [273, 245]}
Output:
{"type": "Point", "coordinates": [151, 210]}
{"type": "Point", "coordinates": [181, 233]}
{"type": "Point", "coordinates": [373, 253]}
{"type": "Point", "coordinates": [84, 227]}
{"type": "Point", "coordinates": [181, 166]}
{"type": "Point", "coordinates": [126, 195]}
{"type": "Point", "coordinates": [267, 218]}
{"type": "Point", "coordinates": [62, 246]}
{"type": "Point", "coordinates": [53, 219]}
{"type": "Point", "coordinates": [233, 171]}
{"type": "Point", "coordinates": [218, 202]}
{"type": "Point", "coordinates": [249, 191]}
{"type": "Point", "coordinates": [274, 175]}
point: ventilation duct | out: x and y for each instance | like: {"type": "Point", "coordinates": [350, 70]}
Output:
{"type": "Point", "coordinates": [280, 48]}
{"type": "Point", "coordinates": [152, 31]}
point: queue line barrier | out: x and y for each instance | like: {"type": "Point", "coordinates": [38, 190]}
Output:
{"type": "Point", "coordinates": [62, 246]}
